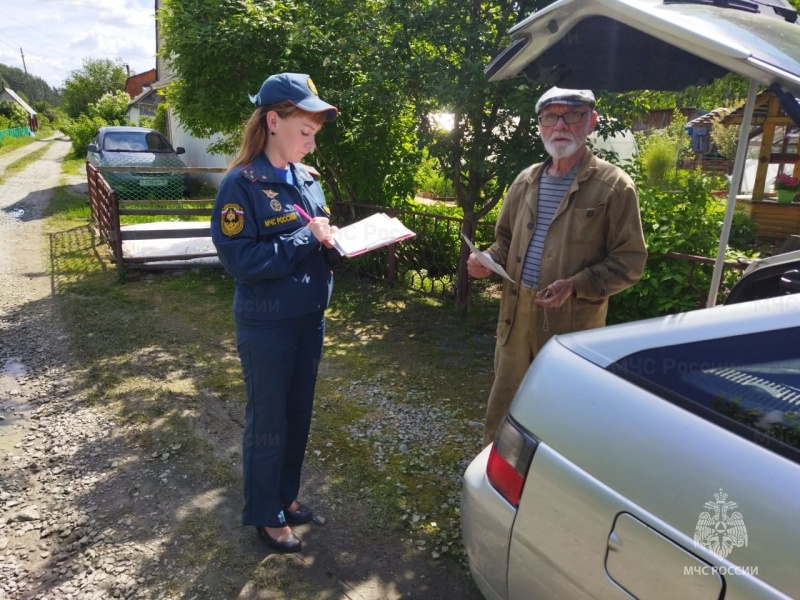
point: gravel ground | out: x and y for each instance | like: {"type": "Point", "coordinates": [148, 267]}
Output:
{"type": "Point", "coordinates": [84, 514]}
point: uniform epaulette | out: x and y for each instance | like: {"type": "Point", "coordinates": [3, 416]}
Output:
{"type": "Point", "coordinates": [311, 170]}
{"type": "Point", "coordinates": [248, 172]}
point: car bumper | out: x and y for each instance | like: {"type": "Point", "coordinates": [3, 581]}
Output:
{"type": "Point", "coordinates": [486, 523]}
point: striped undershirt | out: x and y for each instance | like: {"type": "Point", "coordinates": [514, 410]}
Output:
{"type": "Point", "coordinates": [551, 191]}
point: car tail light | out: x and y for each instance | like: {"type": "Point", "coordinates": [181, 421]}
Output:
{"type": "Point", "coordinates": [509, 459]}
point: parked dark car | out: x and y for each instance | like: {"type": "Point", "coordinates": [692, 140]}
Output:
{"type": "Point", "coordinates": [118, 146]}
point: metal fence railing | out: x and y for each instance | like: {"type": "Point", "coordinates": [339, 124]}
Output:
{"type": "Point", "coordinates": [427, 262]}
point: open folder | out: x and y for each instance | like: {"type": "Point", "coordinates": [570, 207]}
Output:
{"type": "Point", "coordinates": [374, 232]}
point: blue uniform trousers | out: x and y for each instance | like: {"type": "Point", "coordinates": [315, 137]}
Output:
{"type": "Point", "coordinates": [280, 360]}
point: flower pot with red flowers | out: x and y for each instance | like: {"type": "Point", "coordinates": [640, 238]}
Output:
{"type": "Point", "coordinates": [786, 187]}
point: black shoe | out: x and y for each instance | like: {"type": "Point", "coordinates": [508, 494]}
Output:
{"type": "Point", "coordinates": [287, 544]}
{"type": "Point", "coordinates": [303, 514]}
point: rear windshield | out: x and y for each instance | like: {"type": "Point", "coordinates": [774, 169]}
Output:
{"type": "Point", "coordinates": [135, 141]}
{"type": "Point", "coordinates": [749, 384]}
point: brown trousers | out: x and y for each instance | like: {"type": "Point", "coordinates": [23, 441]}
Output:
{"type": "Point", "coordinates": [512, 359]}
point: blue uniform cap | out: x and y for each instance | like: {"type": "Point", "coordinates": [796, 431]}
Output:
{"type": "Point", "coordinates": [298, 89]}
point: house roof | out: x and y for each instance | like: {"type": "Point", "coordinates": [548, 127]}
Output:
{"type": "Point", "coordinates": [18, 100]}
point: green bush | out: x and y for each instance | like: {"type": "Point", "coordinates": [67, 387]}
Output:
{"type": "Point", "coordinates": [111, 108]}
{"type": "Point", "coordinates": [12, 115]}
{"type": "Point", "coordinates": [687, 219]}
{"type": "Point", "coordinates": [81, 131]}
{"type": "Point", "coordinates": [659, 158]}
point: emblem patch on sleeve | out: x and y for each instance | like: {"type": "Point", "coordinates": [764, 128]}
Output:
{"type": "Point", "coordinates": [231, 219]}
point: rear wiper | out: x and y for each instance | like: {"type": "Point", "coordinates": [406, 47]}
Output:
{"type": "Point", "coordinates": [780, 7]}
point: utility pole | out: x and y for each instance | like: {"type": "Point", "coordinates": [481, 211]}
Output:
{"type": "Point", "coordinates": [27, 78]}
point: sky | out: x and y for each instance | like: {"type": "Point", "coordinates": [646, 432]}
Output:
{"type": "Point", "coordinates": [56, 36]}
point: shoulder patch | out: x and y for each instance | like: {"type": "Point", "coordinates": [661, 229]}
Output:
{"type": "Point", "coordinates": [231, 219]}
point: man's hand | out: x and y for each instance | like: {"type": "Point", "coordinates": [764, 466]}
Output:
{"type": "Point", "coordinates": [555, 294]}
{"type": "Point", "coordinates": [476, 269]}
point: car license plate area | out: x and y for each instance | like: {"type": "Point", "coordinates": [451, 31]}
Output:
{"type": "Point", "coordinates": [152, 182]}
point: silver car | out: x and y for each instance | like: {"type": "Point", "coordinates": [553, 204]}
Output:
{"type": "Point", "coordinates": [658, 459]}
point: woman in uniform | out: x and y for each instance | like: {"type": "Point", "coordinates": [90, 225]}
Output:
{"type": "Point", "coordinates": [271, 231]}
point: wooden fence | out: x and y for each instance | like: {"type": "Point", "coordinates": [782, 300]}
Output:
{"type": "Point", "coordinates": [108, 212]}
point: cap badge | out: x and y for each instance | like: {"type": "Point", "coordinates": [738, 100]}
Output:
{"type": "Point", "coordinates": [312, 87]}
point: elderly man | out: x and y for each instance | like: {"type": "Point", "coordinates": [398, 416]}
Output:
{"type": "Point", "coordinates": [570, 234]}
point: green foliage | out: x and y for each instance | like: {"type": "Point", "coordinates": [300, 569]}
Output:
{"type": "Point", "coordinates": [725, 139]}
{"type": "Point", "coordinates": [681, 217]}
{"type": "Point", "coordinates": [12, 115]}
{"type": "Point", "coordinates": [368, 154]}
{"type": "Point", "coordinates": [81, 131]}
{"type": "Point", "coordinates": [729, 90]}
{"type": "Point", "coordinates": [86, 86]}
{"type": "Point", "coordinates": [430, 179]}
{"type": "Point", "coordinates": [659, 159]}
{"type": "Point", "coordinates": [660, 150]}
{"type": "Point", "coordinates": [46, 110]}
{"type": "Point", "coordinates": [111, 108]}
{"type": "Point", "coordinates": [160, 118]}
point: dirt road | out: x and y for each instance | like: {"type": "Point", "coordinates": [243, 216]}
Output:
{"type": "Point", "coordinates": [85, 513]}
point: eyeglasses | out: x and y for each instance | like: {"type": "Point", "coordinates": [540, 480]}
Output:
{"type": "Point", "coordinates": [570, 118]}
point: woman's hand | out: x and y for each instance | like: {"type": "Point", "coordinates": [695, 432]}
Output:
{"type": "Point", "coordinates": [323, 230]}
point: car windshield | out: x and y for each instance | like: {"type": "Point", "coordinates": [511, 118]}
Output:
{"type": "Point", "coordinates": [726, 378]}
{"type": "Point", "coordinates": [136, 141]}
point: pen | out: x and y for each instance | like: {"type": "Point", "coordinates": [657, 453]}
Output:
{"type": "Point", "coordinates": [303, 213]}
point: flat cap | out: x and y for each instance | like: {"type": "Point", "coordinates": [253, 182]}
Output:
{"type": "Point", "coordinates": [557, 95]}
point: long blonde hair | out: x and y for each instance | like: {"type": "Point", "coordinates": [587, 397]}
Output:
{"type": "Point", "coordinates": [256, 132]}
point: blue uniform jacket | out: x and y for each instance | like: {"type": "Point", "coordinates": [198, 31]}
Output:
{"type": "Point", "coordinates": [279, 267]}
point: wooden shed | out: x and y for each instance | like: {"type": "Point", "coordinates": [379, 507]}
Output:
{"type": "Point", "coordinates": [773, 140]}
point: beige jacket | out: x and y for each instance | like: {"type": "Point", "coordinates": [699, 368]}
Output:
{"type": "Point", "coordinates": [595, 238]}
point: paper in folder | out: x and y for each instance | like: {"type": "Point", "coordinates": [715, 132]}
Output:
{"type": "Point", "coordinates": [374, 232]}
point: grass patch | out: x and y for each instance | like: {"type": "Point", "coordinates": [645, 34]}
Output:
{"type": "Point", "coordinates": [10, 144]}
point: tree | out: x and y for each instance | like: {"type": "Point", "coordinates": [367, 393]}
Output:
{"type": "Point", "coordinates": [31, 88]}
{"type": "Point", "coordinates": [368, 154]}
{"type": "Point", "coordinates": [725, 138]}
{"type": "Point", "coordinates": [87, 85]}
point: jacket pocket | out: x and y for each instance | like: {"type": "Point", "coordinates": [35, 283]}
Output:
{"type": "Point", "coordinates": [587, 224]}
